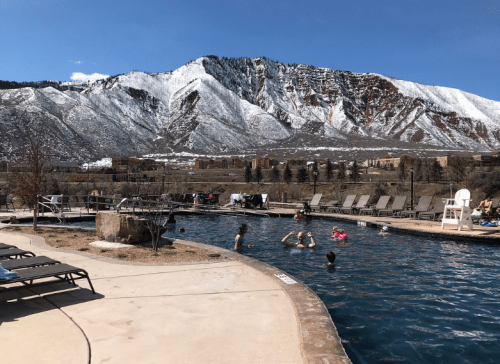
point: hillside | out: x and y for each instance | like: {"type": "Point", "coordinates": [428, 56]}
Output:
{"type": "Point", "coordinates": [226, 105]}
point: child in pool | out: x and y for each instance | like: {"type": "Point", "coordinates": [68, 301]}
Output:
{"type": "Point", "coordinates": [339, 234]}
{"type": "Point", "coordinates": [240, 238]}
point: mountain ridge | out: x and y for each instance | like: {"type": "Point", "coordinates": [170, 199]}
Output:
{"type": "Point", "coordinates": [228, 104]}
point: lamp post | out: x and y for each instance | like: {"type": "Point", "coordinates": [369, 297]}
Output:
{"type": "Point", "coordinates": [315, 177]}
{"type": "Point", "coordinates": [411, 189]}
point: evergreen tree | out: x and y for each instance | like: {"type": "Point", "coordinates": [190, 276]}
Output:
{"type": "Point", "coordinates": [275, 174]}
{"type": "Point", "coordinates": [248, 173]}
{"type": "Point", "coordinates": [354, 172]}
{"type": "Point", "coordinates": [436, 171]}
{"type": "Point", "coordinates": [329, 170]}
{"type": "Point", "coordinates": [456, 168]}
{"type": "Point", "coordinates": [287, 174]}
{"type": "Point", "coordinates": [302, 175]}
{"type": "Point", "coordinates": [427, 170]}
{"type": "Point", "coordinates": [402, 171]}
{"type": "Point", "coordinates": [417, 169]}
{"type": "Point", "coordinates": [258, 174]}
{"type": "Point", "coordinates": [342, 172]}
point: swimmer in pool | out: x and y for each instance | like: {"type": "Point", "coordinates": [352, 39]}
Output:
{"type": "Point", "coordinates": [331, 258]}
{"type": "Point", "coordinates": [240, 238]}
{"type": "Point", "coordinates": [170, 223]}
{"type": "Point", "coordinates": [300, 240]}
{"type": "Point", "coordinates": [384, 230]}
{"type": "Point", "coordinates": [299, 215]}
{"type": "Point", "coordinates": [339, 234]}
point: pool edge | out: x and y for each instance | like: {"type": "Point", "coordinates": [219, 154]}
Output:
{"type": "Point", "coordinates": [320, 341]}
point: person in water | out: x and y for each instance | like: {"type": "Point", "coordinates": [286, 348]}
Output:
{"type": "Point", "coordinates": [300, 240]}
{"type": "Point", "coordinates": [240, 238]}
{"type": "Point", "coordinates": [299, 215]}
{"type": "Point", "coordinates": [339, 234]}
{"type": "Point", "coordinates": [384, 230]}
{"type": "Point", "coordinates": [331, 258]}
{"type": "Point", "coordinates": [170, 223]}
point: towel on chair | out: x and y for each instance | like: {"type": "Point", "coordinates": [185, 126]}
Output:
{"type": "Point", "coordinates": [6, 275]}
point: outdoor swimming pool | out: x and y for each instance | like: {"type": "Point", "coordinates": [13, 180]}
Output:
{"type": "Point", "coordinates": [394, 298]}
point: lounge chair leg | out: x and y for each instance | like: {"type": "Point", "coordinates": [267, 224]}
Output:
{"type": "Point", "coordinates": [90, 284]}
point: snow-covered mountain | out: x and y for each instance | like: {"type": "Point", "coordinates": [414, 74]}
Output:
{"type": "Point", "coordinates": [225, 104]}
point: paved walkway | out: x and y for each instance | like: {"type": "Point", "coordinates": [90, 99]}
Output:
{"type": "Point", "coordinates": [222, 312]}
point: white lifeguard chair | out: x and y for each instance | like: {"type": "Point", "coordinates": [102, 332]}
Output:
{"type": "Point", "coordinates": [457, 211]}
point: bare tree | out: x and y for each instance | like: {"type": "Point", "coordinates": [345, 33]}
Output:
{"type": "Point", "coordinates": [154, 221]}
{"type": "Point", "coordinates": [30, 185]}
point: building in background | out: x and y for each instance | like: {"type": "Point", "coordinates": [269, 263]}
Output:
{"type": "Point", "coordinates": [295, 162]}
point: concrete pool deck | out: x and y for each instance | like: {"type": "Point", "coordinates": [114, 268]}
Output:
{"type": "Point", "coordinates": [231, 311]}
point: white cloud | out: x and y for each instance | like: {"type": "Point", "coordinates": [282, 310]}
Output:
{"type": "Point", "coordinates": [79, 76]}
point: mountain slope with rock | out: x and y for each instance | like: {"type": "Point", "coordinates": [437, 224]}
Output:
{"type": "Point", "coordinates": [226, 104]}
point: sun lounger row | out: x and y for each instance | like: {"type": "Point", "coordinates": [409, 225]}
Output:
{"type": "Point", "coordinates": [424, 209]}
{"type": "Point", "coordinates": [362, 206]}
{"type": "Point", "coordinates": [34, 270]}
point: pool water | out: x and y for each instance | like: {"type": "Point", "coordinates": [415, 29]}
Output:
{"type": "Point", "coordinates": [393, 298]}
{"type": "Point", "coordinates": [81, 224]}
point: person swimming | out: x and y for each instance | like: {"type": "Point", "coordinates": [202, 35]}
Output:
{"type": "Point", "coordinates": [240, 238]}
{"type": "Point", "coordinates": [338, 233]}
{"type": "Point", "coordinates": [300, 240]}
{"type": "Point", "coordinates": [384, 230]}
{"type": "Point", "coordinates": [299, 215]}
{"type": "Point", "coordinates": [170, 222]}
{"type": "Point", "coordinates": [331, 258]}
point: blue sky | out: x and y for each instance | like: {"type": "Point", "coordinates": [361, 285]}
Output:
{"type": "Point", "coordinates": [452, 43]}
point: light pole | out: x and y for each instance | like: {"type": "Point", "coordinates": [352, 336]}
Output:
{"type": "Point", "coordinates": [315, 177]}
{"type": "Point", "coordinates": [411, 189]}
